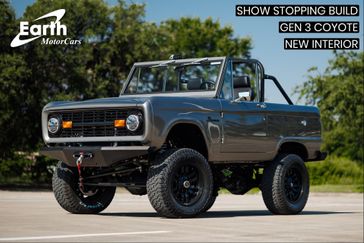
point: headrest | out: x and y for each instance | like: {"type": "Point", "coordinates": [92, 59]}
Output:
{"type": "Point", "coordinates": [194, 84]}
{"type": "Point", "coordinates": [242, 82]}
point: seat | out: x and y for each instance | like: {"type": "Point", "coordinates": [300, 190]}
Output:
{"type": "Point", "coordinates": [241, 86]}
{"type": "Point", "coordinates": [194, 83]}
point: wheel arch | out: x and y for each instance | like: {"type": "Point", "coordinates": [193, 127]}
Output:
{"type": "Point", "coordinates": [293, 147]}
{"type": "Point", "coordinates": [192, 135]}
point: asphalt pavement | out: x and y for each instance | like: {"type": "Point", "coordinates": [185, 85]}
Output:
{"type": "Point", "coordinates": [36, 216]}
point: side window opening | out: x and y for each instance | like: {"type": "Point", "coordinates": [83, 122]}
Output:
{"type": "Point", "coordinates": [245, 80]}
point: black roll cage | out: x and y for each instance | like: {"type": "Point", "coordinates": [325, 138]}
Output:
{"type": "Point", "coordinates": [262, 80]}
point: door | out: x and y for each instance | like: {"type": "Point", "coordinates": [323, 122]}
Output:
{"type": "Point", "coordinates": [244, 119]}
{"type": "Point", "coordinates": [244, 127]}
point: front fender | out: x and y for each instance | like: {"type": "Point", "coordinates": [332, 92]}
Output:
{"type": "Point", "coordinates": [203, 113]}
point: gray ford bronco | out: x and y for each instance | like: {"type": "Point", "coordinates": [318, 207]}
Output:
{"type": "Point", "coordinates": [180, 130]}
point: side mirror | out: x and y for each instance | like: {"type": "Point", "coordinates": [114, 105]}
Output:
{"type": "Point", "coordinates": [245, 96]}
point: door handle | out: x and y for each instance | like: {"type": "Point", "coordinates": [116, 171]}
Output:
{"type": "Point", "coordinates": [262, 105]}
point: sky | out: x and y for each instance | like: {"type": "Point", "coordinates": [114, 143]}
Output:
{"type": "Point", "coordinates": [289, 66]}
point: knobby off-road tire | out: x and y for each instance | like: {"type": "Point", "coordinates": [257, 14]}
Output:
{"type": "Point", "coordinates": [180, 184]}
{"type": "Point", "coordinates": [285, 185]}
{"type": "Point", "coordinates": [69, 197]}
{"type": "Point", "coordinates": [215, 193]}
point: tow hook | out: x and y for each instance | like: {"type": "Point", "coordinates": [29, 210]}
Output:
{"type": "Point", "coordinates": [80, 157]}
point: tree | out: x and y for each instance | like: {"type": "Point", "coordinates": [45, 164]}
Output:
{"type": "Point", "coordinates": [339, 93]}
{"type": "Point", "coordinates": [13, 76]}
{"type": "Point", "coordinates": [192, 37]}
{"type": "Point", "coordinates": [34, 74]}
{"type": "Point", "coordinates": [113, 38]}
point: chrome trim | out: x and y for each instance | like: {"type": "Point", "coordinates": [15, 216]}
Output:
{"type": "Point", "coordinates": [140, 138]}
{"type": "Point", "coordinates": [122, 148]}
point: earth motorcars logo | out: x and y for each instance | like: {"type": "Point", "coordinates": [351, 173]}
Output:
{"type": "Point", "coordinates": [32, 32]}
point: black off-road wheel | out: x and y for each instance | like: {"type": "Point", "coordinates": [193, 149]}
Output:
{"type": "Point", "coordinates": [69, 197]}
{"type": "Point", "coordinates": [285, 185]}
{"type": "Point", "coordinates": [180, 184]}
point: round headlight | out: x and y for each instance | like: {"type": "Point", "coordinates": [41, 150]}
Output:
{"type": "Point", "coordinates": [132, 122]}
{"type": "Point", "coordinates": [54, 125]}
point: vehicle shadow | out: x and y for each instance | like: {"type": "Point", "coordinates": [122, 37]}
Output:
{"type": "Point", "coordinates": [252, 213]}
{"type": "Point", "coordinates": [221, 214]}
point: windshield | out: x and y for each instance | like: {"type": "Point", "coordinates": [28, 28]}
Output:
{"type": "Point", "coordinates": [170, 76]}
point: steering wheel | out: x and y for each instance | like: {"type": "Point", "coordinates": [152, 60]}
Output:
{"type": "Point", "coordinates": [207, 85]}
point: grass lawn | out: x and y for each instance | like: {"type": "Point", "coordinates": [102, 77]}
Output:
{"type": "Point", "coordinates": [337, 188]}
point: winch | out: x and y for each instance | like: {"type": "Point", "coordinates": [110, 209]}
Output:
{"type": "Point", "coordinates": [80, 157]}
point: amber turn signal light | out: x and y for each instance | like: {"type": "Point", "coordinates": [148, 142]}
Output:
{"type": "Point", "coordinates": [119, 123]}
{"type": "Point", "coordinates": [66, 124]}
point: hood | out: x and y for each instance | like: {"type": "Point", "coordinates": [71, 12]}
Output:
{"type": "Point", "coordinates": [123, 100]}
{"type": "Point", "coordinates": [96, 103]}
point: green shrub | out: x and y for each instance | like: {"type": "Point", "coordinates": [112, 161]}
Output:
{"type": "Point", "coordinates": [336, 171]}
{"type": "Point", "coordinates": [26, 169]}
{"type": "Point", "coordinates": [14, 167]}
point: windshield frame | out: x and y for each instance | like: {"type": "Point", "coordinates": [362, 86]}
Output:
{"type": "Point", "coordinates": [210, 93]}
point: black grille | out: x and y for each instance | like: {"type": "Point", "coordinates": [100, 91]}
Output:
{"type": "Point", "coordinates": [95, 123]}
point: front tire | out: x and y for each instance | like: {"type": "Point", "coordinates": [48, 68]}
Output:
{"type": "Point", "coordinates": [180, 184]}
{"type": "Point", "coordinates": [69, 197]}
{"type": "Point", "coordinates": [285, 185]}
{"type": "Point", "coordinates": [209, 205]}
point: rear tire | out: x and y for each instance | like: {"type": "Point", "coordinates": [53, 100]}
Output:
{"type": "Point", "coordinates": [68, 196]}
{"type": "Point", "coordinates": [285, 185]}
{"type": "Point", "coordinates": [180, 184]}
